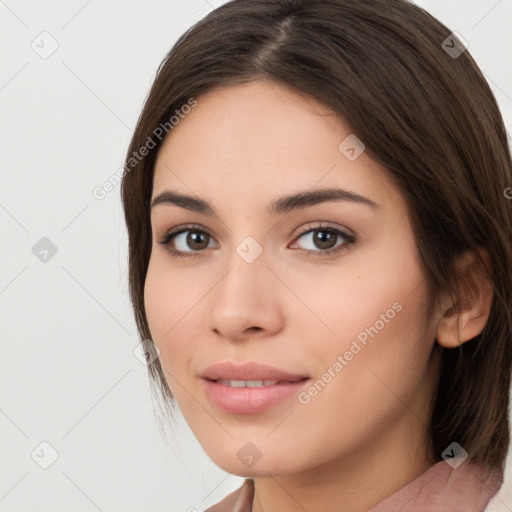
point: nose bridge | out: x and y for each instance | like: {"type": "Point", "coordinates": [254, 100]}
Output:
{"type": "Point", "coordinates": [243, 296]}
{"type": "Point", "coordinates": [245, 275]}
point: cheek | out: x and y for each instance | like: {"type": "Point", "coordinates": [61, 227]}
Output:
{"type": "Point", "coordinates": [371, 315]}
{"type": "Point", "coordinates": [378, 357]}
{"type": "Point", "coordinates": [166, 304]}
{"type": "Point", "coordinates": [168, 295]}
{"type": "Point", "coordinates": [173, 299]}
{"type": "Point", "coordinates": [154, 300]}
{"type": "Point", "coordinates": [361, 299]}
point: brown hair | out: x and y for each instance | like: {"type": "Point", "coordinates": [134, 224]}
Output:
{"type": "Point", "coordinates": [427, 116]}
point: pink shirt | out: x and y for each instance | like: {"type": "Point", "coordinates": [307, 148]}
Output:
{"type": "Point", "coordinates": [468, 488]}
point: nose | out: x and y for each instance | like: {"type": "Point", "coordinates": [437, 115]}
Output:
{"type": "Point", "coordinates": [246, 302]}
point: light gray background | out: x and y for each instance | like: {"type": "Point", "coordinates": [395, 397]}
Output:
{"type": "Point", "coordinates": [68, 375]}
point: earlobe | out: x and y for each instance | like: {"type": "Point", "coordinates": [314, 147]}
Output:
{"type": "Point", "coordinates": [466, 319]}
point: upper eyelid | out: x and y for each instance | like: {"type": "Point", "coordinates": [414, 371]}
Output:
{"type": "Point", "coordinates": [323, 224]}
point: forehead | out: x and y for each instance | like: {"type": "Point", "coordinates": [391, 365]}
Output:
{"type": "Point", "coordinates": [262, 139]}
{"type": "Point", "coordinates": [259, 121]}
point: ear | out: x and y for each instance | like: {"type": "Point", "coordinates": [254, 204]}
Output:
{"type": "Point", "coordinates": [466, 319]}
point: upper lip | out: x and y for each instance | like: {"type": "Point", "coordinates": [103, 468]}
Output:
{"type": "Point", "coordinates": [249, 371]}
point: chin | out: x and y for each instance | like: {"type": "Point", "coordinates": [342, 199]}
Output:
{"type": "Point", "coordinates": [242, 465]}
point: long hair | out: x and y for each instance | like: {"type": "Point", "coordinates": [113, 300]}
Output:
{"type": "Point", "coordinates": [411, 91]}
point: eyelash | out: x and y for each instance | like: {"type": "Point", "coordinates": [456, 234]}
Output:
{"type": "Point", "coordinates": [349, 240]}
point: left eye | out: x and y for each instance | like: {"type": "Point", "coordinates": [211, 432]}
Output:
{"type": "Point", "coordinates": [325, 239]}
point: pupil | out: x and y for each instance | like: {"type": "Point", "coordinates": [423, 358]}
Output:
{"type": "Point", "coordinates": [196, 238]}
{"type": "Point", "coordinates": [324, 239]}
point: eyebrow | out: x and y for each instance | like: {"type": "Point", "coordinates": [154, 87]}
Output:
{"type": "Point", "coordinates": [280, 205]}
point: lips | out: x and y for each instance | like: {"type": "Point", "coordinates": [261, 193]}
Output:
{"type": "Point", "coordinates": [251, 371]}
{"type": "Point", "coordinates": [250, 388]}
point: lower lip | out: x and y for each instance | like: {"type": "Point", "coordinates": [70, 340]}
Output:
{"type": "Point", "coordinates": [250, 400]}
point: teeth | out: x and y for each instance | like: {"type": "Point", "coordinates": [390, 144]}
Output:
{"type": "Point", "coordinates": [247, 383]}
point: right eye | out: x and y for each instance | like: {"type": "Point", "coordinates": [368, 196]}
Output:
{"type": "Point", "coordinates": [178, 240]}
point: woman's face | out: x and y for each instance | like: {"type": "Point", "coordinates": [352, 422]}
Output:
{"type": "Point", "coordinates": [284, 288]}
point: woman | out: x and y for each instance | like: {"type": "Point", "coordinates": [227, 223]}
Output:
{"type": "Point", "coordinates": [320, 252]}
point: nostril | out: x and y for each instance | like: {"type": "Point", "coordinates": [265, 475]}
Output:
{"type": "Point", "coordinates": [254, 328]}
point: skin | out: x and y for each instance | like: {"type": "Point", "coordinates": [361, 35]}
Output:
{"type": "Point", "coordinates": [364, 435]}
